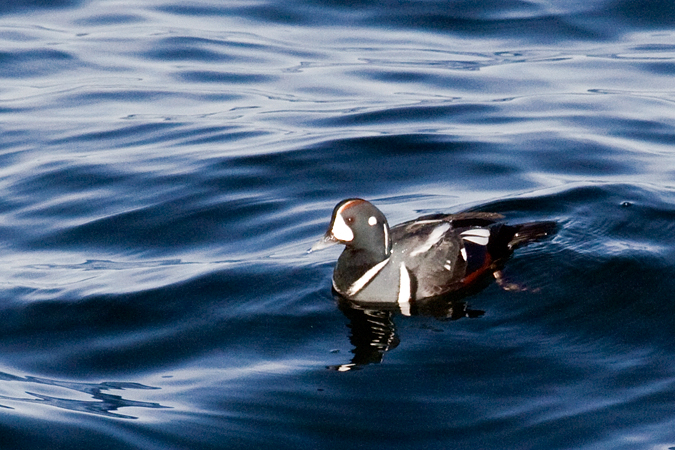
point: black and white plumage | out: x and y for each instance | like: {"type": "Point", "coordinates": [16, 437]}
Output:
{"type": "Point", "coordinates": [427, 257]}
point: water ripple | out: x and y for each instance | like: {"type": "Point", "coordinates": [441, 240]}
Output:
{"type": "Point", "coordinates": [103, 403]}
{"type": "Point", "coordinates": [164, 168]}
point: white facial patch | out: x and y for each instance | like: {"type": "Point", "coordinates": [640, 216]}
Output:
{"type": "Point", "coordinates": [341, 230]}
{"type": "Point", "coordinates": [372, 221]}
{"type": "Point", "coordinates": [435, 236]}
{"type": "Point", "coordinates": [479, 236]}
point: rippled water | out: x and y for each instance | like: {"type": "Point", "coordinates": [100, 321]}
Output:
{"type": "Point", "coordinates": [165, 166]}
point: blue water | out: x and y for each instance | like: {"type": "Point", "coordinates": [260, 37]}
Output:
{"type": "Point", "coordinates": [164, 167]}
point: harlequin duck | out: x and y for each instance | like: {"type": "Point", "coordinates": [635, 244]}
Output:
{"type": "Point", "coordinates": [427, 257]}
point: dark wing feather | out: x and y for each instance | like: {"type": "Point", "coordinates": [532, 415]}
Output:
{"type": "Point", "coordinates": [459, 220]}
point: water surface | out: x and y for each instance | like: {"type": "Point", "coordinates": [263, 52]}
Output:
{"type": "Point", "coordinates": [165, 167]}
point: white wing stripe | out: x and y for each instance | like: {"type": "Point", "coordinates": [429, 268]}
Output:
{"type": "Point", "coordinates": [480, 240]}
{"type": "Point", "coordinates": [479, 236]}
{"type": "Point", "coordinates": [403, 285]}
{"type": "Point", "coordinates": [484, 232]}
{"type": "Point", "coordinates": [366, 277]}
{"type": "Point", "coordinates": [435, 236]}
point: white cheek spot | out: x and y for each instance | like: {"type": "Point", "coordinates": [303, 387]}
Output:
{"type": "Point", "coordinates": [341, 230]}
{"type": "Point", "coordinates": [372, 221]}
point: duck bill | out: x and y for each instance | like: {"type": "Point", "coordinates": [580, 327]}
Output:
{"type": "Point", "coordinates": [326, 241]}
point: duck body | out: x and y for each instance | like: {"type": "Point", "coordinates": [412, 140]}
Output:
{"type": "Point", "coordinates": [424, 258]}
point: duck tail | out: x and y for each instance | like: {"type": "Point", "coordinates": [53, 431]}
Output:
{"type": "Point", "coordinates": [506, 238]}
{"type": "Point", "coordinates": [532, 231]}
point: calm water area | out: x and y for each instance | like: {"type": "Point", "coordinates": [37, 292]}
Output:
{"type": "Point", "coordinates": [165, 166]}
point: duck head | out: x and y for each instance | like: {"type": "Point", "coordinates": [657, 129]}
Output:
{"type": "Point", "coordinates": [359, 225]}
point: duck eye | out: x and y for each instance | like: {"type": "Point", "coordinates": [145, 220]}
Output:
{"type": "Point", "coordinates": [350, 220]}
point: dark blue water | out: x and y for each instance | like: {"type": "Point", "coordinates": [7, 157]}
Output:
{"type": "Point", "coordinates": [164, 166]}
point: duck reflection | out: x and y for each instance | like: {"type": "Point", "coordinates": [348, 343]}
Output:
{"type": "Point", "coordinates": [103, 403]}
{"type": "Point", "coordinates": [373, 332]}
